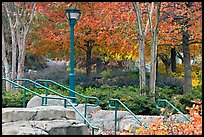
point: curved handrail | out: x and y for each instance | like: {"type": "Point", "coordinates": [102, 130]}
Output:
{"type": "Point", "coordinates": [26, 89]}
{"type": "Point", "coordinates": [47, 89]}
{"type": "Point", "coordinates": [83, 96]}
{"type": "Point", "coordinates": [17, 86]}
{"type": "Point", "coordinates": [86, 98]}
{"type": "Point", "coordinates": [165, 101]}
{"type": "Point", "coordinates": [116, 105]}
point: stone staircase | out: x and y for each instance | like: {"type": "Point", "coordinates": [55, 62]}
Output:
{"type": "Point", "coordinates": [41, 120]}
{"type": "Point", "coordinates": [57, 120]}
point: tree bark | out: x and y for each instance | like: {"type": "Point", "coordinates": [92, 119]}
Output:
{"type": "Point", "coordinates": [99, 66]}
{"type": "Point", "coordinates": [5, 61]}
{"type": "Point", "coordinates": [153, 63]}
{"type": "Point", "coordinates": [19, 20]}
{"type": "Point", "coordinates": [167, 63]}
{"type": "Point", "coordinates": [88, 59]}
{"type": "Point", "coordinates": [8, 7]}
{"type": "Point", "coordinates": [173, 59]}
{"type": "Point", "coordinates": [186, 61]}
{"type": "Point", "coordinates": [141, 44]}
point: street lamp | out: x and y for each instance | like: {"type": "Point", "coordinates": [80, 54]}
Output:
{"type": "Point", "coordinates": [73, 16]}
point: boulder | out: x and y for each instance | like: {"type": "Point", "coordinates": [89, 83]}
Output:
{"type": "Point", "coordinates": [37, 113]}
{"type": "Point", "coordinates": [89, 111]}
{"type": "Point", "coordinates": [42, 120]}
{"type": "Point", "coordinates": [129, 121]}
{"type": "Point", "coordinates": [37, 101]}
{"type": "Point", "coordinates": [54, 127]}
{"type": "Point", "coordinates": [105, 119]}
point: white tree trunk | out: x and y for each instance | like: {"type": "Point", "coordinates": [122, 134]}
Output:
{"type": "Point", "coordinates": [142, 34]}
{"type": "Point", "coordinates": [5, 61]}
{"type": "Point", "coordinates": [13, 37]}
{"type": "Point", "coordinates": [20, 22]}
{"type": "Point", "coordinates": [21, 38]}
{"type": "Point", "coordinates": [153, 61]}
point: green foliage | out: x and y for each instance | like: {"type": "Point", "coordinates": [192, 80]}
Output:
{"type": "Point", "coordinates": [129, 95]}
{"type": "Point", "coordinates": [133, 74]}
{"type": "Point", "coordinates": [185, 99]}
{"type": "Point", "coordinates": [165, 93]}
{"type": "Point", "coordinates": [106, 73]}
{"type": "Point", "coordinates": [14, 98]}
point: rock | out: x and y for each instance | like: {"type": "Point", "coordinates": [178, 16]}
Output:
{"type": "Point", "coordinates": [129, 120]}
{"type": "Point", "coordinates": [105, 118]}
{"type": "Point", "coordinates": [89, 111]}
{"type": "Point", "coordinates": [37, 113]}
{"type": "Point", "coordinates": [21, 128]}
{"type": "Point", "coordinates": [55, 127]}
{"type": "Point", "coordinates": [178, 118]}
{"type": "Point", "coordinates": [42, 120]}
{"type": "Point", "coordinates": [37, 101]}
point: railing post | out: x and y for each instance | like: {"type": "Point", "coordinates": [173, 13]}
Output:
{"type": "Point", "coordinates": [24, 95]}
{"type": "Point", "coordinates": [65, 103]}
{"type": "Point", "coordinates": [92, 131]}
{"type": "Point", "coordinates": [85, 110]}
{"type": "Point", "coordinates": [116, 108]}
{"type": "Point", "coordinates": [46, 92]}
{"type": "Point", "coordinates": [42, 101]}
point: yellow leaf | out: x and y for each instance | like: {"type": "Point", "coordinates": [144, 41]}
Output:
{"type": "Point", "coordinates": [131, 128]}
{"type": "Point", "coordinates": [138, 130]}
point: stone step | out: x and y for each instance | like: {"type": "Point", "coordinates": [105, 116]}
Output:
{"type": "Point", "coordinates": [42, 120]}
{"type": "Point", "coordinates": [54, 127]}
{"type": "Point", "coordinates": [37, 113]}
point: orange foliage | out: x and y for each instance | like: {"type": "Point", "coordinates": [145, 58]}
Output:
{"type": "Point", "coordinates": [163, 127]}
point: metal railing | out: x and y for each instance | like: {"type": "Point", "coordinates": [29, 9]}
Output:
{"type": "Point", "coordinates": [86, 98]}
{"type": "Point", "coordinates": [47, 97]}
{"type": "Point", "coordinates": [35, 93]}
{"type": "Point", "coordinates": [163, 106]}
{"type": "Point", "coordinates": [117, 102]}
{"type": "Point", "coordinates": [37, 85]}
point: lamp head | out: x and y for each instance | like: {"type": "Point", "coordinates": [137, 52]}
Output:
{"type": "Point", "coordinates": [73, 13]}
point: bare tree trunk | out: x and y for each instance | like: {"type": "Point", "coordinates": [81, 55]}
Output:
{"type": "Point", "coordinates": [88, 59]}
{"type": "Point", "coordinates": [141, 35]}
{"type": "Point", "coordinates": [153, 61]}
{"type": "Point", "coordinates": [5, 61]}
{"type": "Point", "coordinates": [142, 69]}
{"type": "Point", "coordinates": [186, 52]}
{"type": "Point", "coordinates": [19, 22]}
{"type": "Point", "coordinates": [173, 59]}
{"type": "Point", "coordinates": [186, 62]}
{"type": "Point", "coordinates": [13, 37]}
{"type": "Point", "coordinates": [99, 66]}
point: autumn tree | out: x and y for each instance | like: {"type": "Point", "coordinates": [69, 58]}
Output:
{"type": "Point", "coordinates": [103, 29]}
{"type": "Point", "coordinates": [182, 31]}
{"type": "Point", "coordinates": [19, 16]}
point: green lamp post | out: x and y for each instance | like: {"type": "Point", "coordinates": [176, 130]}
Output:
{"type": "Point", "coordinates": [73, 16]}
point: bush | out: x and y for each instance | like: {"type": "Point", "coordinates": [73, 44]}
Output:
{"type": "Point", "coordinates": [165, 127]}
{"type": "Point", "coordinates": [14, 98]}
{"type": "Point", "coordinates": [129, 95]}
{"type": "Point", "coordinates": [106, 73]}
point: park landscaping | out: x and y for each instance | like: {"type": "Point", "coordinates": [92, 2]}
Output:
{"type": "Point", "coordinates": [134, 52]}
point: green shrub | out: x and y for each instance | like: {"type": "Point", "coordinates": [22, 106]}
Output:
{"type": "Point", "coordinates": [106, 73]}
{"type": "Point", "coordinates": [185, 99]}
{"type": "Point", "coordinates": [129, 95]}
{"type": "Point", "coordinates": [14, 98]}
